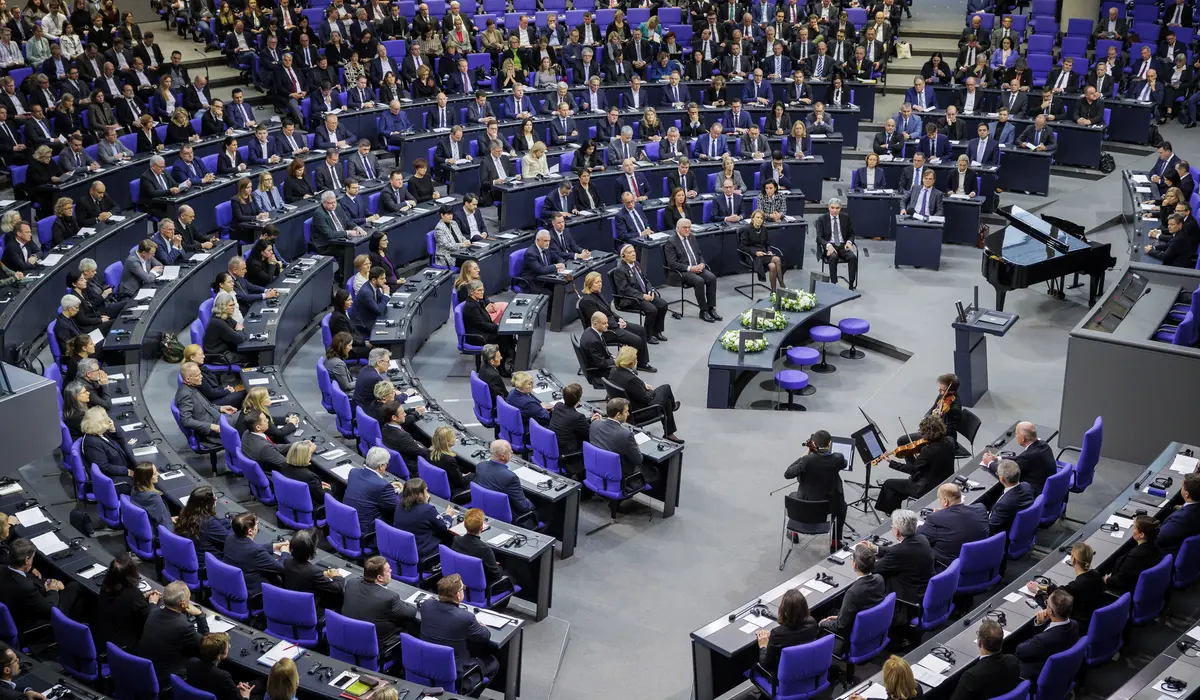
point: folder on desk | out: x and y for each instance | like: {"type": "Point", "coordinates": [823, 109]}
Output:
{"type": "Point", "coordinates": [281, 650]}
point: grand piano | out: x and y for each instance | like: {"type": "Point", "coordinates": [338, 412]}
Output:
{"type": "Point", "coordinates": [1034, 249]}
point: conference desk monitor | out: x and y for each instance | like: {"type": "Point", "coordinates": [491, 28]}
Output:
{"type": "Point", "coordinates": [1119, 303]}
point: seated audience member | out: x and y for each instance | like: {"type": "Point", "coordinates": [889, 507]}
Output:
{"type": "Point", "coordinates": [494, 474]}
{"type": "Point", "coordinates": [642, 395]}
{"type": "Point", "coordinates": [1185, 521]}
{"type": "Point", "coordinates": [149, 498]}
{"type": "Point", "coordinates": [173, 632]}
{"type": "Point", "coordinates": [416, 515]}
{"type": "Point", "coordinates": [1017, 496]}
{"type": "Point", "coordinates": [393, 420]}
{"type": "Point", "coordinates": [122, 608]}
{"type": "Point", "coordinates": [199, 522]}
{"type": "Point", "coordinates": [866, 591]}
{"type": "Point", "coordinates": [994, 672]}
{"type": "Point", "coordinates": [1053, 631]}
{"type": "Point", "coordinates": [953, 524]}
{"type": "Point", "coordinates": [521, 398]}
{"type": "Point", "coordinates": [104, 448]}
{"type": "Point", "coordinates": [1125, 571]}
{"type": "Point", "coordinates": [473, 546]}
{"type": "Point", "coordinates": [258, 562]}
{"type": "Point", "coordinates": [796, 626]}
{"type": "Point", "coordinates": [370, 493]}
{"type": "Point", "coordinates": [445, 621]}
{"type": "Point", "coordinates": [1035, 458]}
{"type": "Point", "coordinates": [204, 672]}
{"type": "Point", "coordinates": [906, 566]}
{"type": "Point", "coordinates": [300, 574]}
{"type": "Point", "coordinates": [571, 429]}
{"type": "Point", "coordinates": [367, 598]}
{"type": "Point", "coordinates": [298, 467]}
{"type": "Point", "coordinates": [1087, 589]}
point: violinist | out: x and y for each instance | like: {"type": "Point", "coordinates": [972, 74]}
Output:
{"type": "Point", "coordinates": [945, 405]}
{"type": "Point", "coordinates": [819, 472]}
{"type": "Point", "coordinates": [932, 464]}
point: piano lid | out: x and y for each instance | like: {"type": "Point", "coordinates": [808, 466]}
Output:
{"type": "Point", "coordinates": [1061, 239]}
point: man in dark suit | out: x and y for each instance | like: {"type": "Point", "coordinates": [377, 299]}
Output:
{"type": "Point", "coordinates": [925, 200]}
{"type": "Point", "coordinates": [1063, 80]}
{"type": "Point", "coordinates": [983, 149]}
{"type": "Point", "coordinates": [301, 575]}
{"type": "Point", "coordinates": [906, 566]}
{"type": "Point", "coordinates": [97, 206]}
{"type": "Point", "coordinates": [953, 524]}
{"type": "Point", "coordinates": [204, 672]}
{"type": "Point", "coordinates": [727, 206]}
{"type": "Point", "coordinates": [888, 141]}
{"type": "Point", "coordinates": [470, 219]}
{"type": "Point", "coordinates": [257, 561]}
{"type": "Point", "coordinates": [156, 183]}
{"type": "Point", "coordinates": [612, 435]}
{"type": "Point", "coordinates": [867, 591]}
{"type": "Point", "coordinates": [196, 412]}
{"type": "Point", "coordinates": [290, 87]}
{"type": "Point", "coordinates": [562, 126]}
{"type": "Point", "coordinates": [329, 224]}
{"type": "Point", "coordinates": [494, 169]}
{"type": "Point", "coordinates": [1038, 136]}
{"type": "Point", "coordinates": [540, 260]}
{"type": "Point", "coordinates": [819, 474]}
{"type": "Point", "coordinates": [631, 221]}
{"type": "Point", "coordinates": [370, 493]}
{"type": "Point", "coordinates": [173, 632]}
{"type": "Point", "coordinates": [1054, 631]}
{"type": "Point", "coordinates": [368, 599]}
{"type": "Point", "coordinates": [599, 360]}
{"type": "Point", "coordinates": [1017, 496]}
{"type": "Point", "coordinates": [21, 254]}
{"type": "Point", "coordinates": [197, 96]}
{"type": "Point", "coordinates": [993, 673]}
{"type": "Point", "coordinates": [684, 178]}
{"type": "Point", "coordinates": [394, 419]}
{"type": "Point", "coordinates": [835, 242]}
{"type": "Point", "coordinates": [444, 622]}
{"type": "Point", "coordinates": [450, 151]}
{"type": "Point", "coordinates": [28, 596]}
{"type": "Point", "coordinates": [1185, 521]}
{"type": "Point", "coordinates": [377, 366]}
{"type": "Point", "coordinates": [1036, 458]}
{"type": "Point", "coordinates": [494, 474]}
{"type": "Point", "coordinates": [571, 428]}
{"type": "Point", "coordinates": [561, 242]}
{"type": "Point", "coordinates": [685, 260]}
{"type": "Point", "coordinates": [480, 111]}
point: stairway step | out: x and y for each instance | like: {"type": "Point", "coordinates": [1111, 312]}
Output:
{"type": "Point", "coordinates": [908, 33]}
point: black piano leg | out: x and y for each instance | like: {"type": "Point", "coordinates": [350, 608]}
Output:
{"type": "Point", "coordinates": [1000, 293]}
{"type": "Point", "coordinates": [1075, 283]}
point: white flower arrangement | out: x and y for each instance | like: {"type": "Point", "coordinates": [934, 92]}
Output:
{"type": "Point", "coordinates": [774, 323]}
{"type": "Point", "coordinates": [803, 301]}
{"type": "Point", "coordinates": [729, 341]}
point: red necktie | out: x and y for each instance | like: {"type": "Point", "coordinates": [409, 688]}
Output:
{"type": "Point", "coordinates": [633, 186]}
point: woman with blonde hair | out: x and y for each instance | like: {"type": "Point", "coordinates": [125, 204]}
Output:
{"type": "Point", "coordinates": [283, 681]}
{"type": "Point", "coordinates": [728, 172]}
{"type": "Point", "coordinates": [795, 143]}
{"type": "Point", "coordinates": [267, 196]}
{"type": "Point", "coordinates": [258, 398]}
{"type": "Point", "coordinates": [650, 128]}
{"type": "Point", "coordinates": [619, 330]}
{"type": "Point", "coordinates": [180, 129]}
{"type": "Point", "coordinates": [441, 455]}
{"type": "Point", "coordinates": [534, 162]}
{"type": "Point", "coordinates": [214, 389]}
{"type": "Point", "coordinates": [642, 395]}
{"type": "Point", "coordinates": [753, 242]}
{"type": "Point", "coordinates": [105, 449]}
{"type": "Point", "coordinates": [162, 102]}
{"type": "Point", "coordinates": [223, 335]}
{"type": "Point", "coordinates": [469, 272]}
{"type": "Point", "coordinates": [362, 267]}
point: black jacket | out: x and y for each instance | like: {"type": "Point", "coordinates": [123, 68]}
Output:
{"type": "Point", "coordinates": [599, 359]}
{"type": "Point", "coordinates": [1037, 464]}
{"type": "Point", "coordinates": [989, 676]}
{"type": "Point", "coordinates": [906, 568]}
{"type": "Point", "coordinates": [169, 640]}
{"type": "Point", "coordinates": [635, 388]}
{"type": "Point", "coordinates": [1045, 642]}
{"type": "Point", "coordinates": [28, 601]}
{"type": "Point", "coordinates": [1129, 567]}
{"type": "Point", "coordinates": [1005, 510]}
{"type": "Point", "coordinates": [221, 338]}
{"type": "Point", "coordinates": [386, 609]}
{"type": "Point", "coordinates": [473, 546]}
{"type": "Point", "coordinates": [570, 427]}
{"type": "Point", "coordinates": [820, 478]}
{"type": "Point", "coordinates": [307, 577]}
{"type": "Point", "coordinates": [784, 637]}
{"type": "Point", "coordinates": [207, 678]}
{"type": "Point", "coordinates": [477, 321]}
{"type": "Point", "coordinates": [397, 438]}
{"type": "Point", "coordinates": [950, 528]}
{"type": "Point", "coordinates": [120, 618]}
{"type": "Point", "coordinates": [1087, 591]}
{"type": "Point", "coordinates": [495, 382]}
{"type": "Point", "coordinates": [933, 465]}
{"type": "Point", "coordinates": [864, 593]}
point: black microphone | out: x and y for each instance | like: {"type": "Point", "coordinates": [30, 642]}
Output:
{"type": "Point", "coordinates": [205, 65]}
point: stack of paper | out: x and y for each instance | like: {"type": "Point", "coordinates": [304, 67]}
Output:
{"type": "Point", "coordinates": [49, 543]}
{"type": "Point", "coordinates": [170, 273]}
{"type": "Point", "coordinates": [50, 260]}
{"type": "Point", "coordinates": [343, 472]}
{"type": "Point", "coordinates": [144, 294]}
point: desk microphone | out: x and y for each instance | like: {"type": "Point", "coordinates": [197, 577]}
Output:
{"type": "Point", "coordinates": [744, 609]}
{"type": "Point", "coordinates": [1137, 486]}
{"type": "Point", "coordinates": [975, 617]}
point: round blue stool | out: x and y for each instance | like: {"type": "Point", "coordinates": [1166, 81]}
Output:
{"type": "Point", "coordinates": [853, 327]}
{"type": "Point", "coordinates": [824, 335]}
{"type": "Point", "coordinates": [804, 356]}
{"type": "Point", "coordinates": [791, 381]}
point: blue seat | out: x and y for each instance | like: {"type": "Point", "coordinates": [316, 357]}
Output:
{"type": "Point", "coordinates": [434, 665]}
{"type": "Point", "coordinates": [1106, 631]}
{"type": "Point", "coordinates": [76, 649]}
{"type": "Point", "coordinates": [133, 677]}
{"type": "Point", "coordinates": [396, 463]}
{"type": "Point", "coordinates": [869, 635]}
{"type": "Point", "coordinates": [323, 382]}
{"type": "Point", "coordinates": [345, 532]}
{"type": "Point", "coordinates": [232, 442]}
{"type": "Point", "coordinates": [938, 603]}
{"type": "Point", "coordinates": [803, 671]}
{"type": "Point", "coordinates": [1057, 679]}
{"type": "Point", "coordinates": [543, 444]}
{"type": "Point", "coordinates": [294, 506]}
{"type": "Point", "coordinates": [1187, 563]}
{"type": "Point", "coordinates": [74, 464]}
{"type": "Point", "coordinates": [512, 426]}
{"type": "Point", "coordinates": [399, 547]}
{"type": "Point", "coordinates": [369, 431]}
{"type": "Point", "coordinates": [1023, 531]}
{"type": "Point", "coordinates": [1021, 692]}
{"type": "Point", "coordinates": [435, 478]}
{"type": "Point", "coordinates": [481, 397]}
{"type": "Point", "coordinates": [179, 559]}
{"type": "Point", "coordinates": [352, 641]}
{"type": "Point", "coordinates": [139, 537]}
{"type": "Point", "coordinates": [478, 591]}
{"type": "Point", "coordinates": [980, 564]}
{"type": "Point", "coordinates": [1083, 471]}
{"type": "Point", "coordinates": [44, 230]}
{"type": "Point", "coordinates": [1150, 593]}
{"type": "Point", "coordinates": [112, 274]}
{"type": "Point", "coordinates": [1054, 498]}
{"type": "Point", "coordinates": [180, 690]}
{"type": "Point", "coordinates": [344, 415]}
{"type": "Point", "coordinates": [108, 506]}
{"type": "Point", "coordinates": [227, 588]}
{"type": "Point", "coordinates": [468, 343]}
{"type": "Point", "coordinates": [604, 477]}
{"type": "Point", "coordinates": [516, 263]}
{"type": "Point", "coordinates": [494, 504]}
{"type": "Point", "coordinates": [291, 615]}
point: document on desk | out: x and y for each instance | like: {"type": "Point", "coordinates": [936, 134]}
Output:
{"type": "Point", "coordinates": [490, 619]}
{"type": "Point", "coordinates": [1140, 179]}
{"type": "Point", "coordinates": [170, 273]}
{"type": "Point", "coordinates": [508, 236]}
{"type": "Point", "coordinates": [641, 438]}
{"type": "Point", "coordinates": [31, 516]}
{"type": "Point", "coordinates": [1194, 633]}
{"type": "Point", "coordinates": [417, 598]}
{"type": "Point", "coordinates": [116, 218]}
{"type": "Point", "coordinates": [49, 543]}
{"type": "Point", "coordinates": [934, 664]}
{"type": "Point", "coordinates": [499, 539]}
{"type": "Point", "coordinates": [817, 586]}
{"type": "Point", "coordinates": [145, 451]}
{"type": "Point", "coordinates": [529, 475]}
{"type": "Point", "coordinates": [343, 472]}
{"type": "Point", "coordinates": [870, 691]}
{"type": "Point", "coordinates": [1014, 597]}
{"type": "Point", "coordinates": [122, 400]}
{"type": "Point", "coordinates": [927, 677]}
{"type": "Point", "coordinates": [10, 489]}
{"type": "Point", "coordinates": [50, 260]}
{"type": "Point", "coordinates": [280, 651]}
{"type": "Point", "coordinates": [258, 381]}
{"type": "Point", "coordinates": [133, 426]}
{"type": "Point", "coordinates": [144, 294]}
{"type": "Point", "coordinates": [217, 625]}
{"type": "Point", "coordinates": [176, 474]}
{"type": "Point", "coordinates": [1142, 190]}
{"type": "Point", "coordinates": [93, 571]}
{"type": "Point", "coordinates": [1182, 464]}
{"type": "Point", "coordinates": [659, 236]}
{"type": "Point", "coordinates": [115, 377]}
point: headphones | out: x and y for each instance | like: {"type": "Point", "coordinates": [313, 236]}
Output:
{"type": "Point", "coordinates": [998, 616]}
{"type": "Point", "coordinates": [941, 652]}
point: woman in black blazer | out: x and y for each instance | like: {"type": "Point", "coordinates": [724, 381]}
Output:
{"type": "Point", "coordinates": [147, 138]}
{"type": "Point", "coordinates": [75, 404]}
{"type": "Point", "coordinates": [587, 158]}
{"type": "Point", "coordinates": [223, 335]}
{"type": "Point", "coordinates": [65, 226]}
{"type": "Point", "coordinates": [261, 266]}
{"type": "Point", "coordinates": [717, 94]}
{"type": "Point", "coordinates": [778, 122]}
{"type": "Point", "coordinates": [390, 90]}
{"type": "Point", "coordinates": [525, 137]}
{"type": "Point", "coordinates": [378, 255]}
{"type": "Point", "coordinates": [478, 322]}
{"type": "Point", "coordinates": [753, 241]}
{"type": "Point", "coordinates": [296, 187]}
{"type": "Point", "coordinates": [640, 394]}
{"type": "Point", "coordinates": [962, 176]}
{"type": "Point", "coordinates": [630, 295]}
{"type": "Point", "coordinates": [420, 185]}
{"type": "Point", "coordinates": [122, 608]}
{"type": "Point", "coordinates": [42, 170]}
{"type": "Point", "coordinates": [676, 209]}
{"type": "Point", "coordinates": [1087, 590]}
{"type": "Point", "coordinates": [796, 626]}
{"type": "Point", "coordinates": [104, 448]}
{"type": "Point", "coordinates": [441, 455]}
{"type": "Point", "coordinates": [179, 129]}
{"type": "Point", "coordinates": [339, 322]}
{"type": "Point", "coordinates": [1128, 568]}
{"type": "Point", "coordinates": [630, 334]}
{"type": "Point", "coordinates": [68, 121]}
{"type": "Point", "coordinates": [245, 209]}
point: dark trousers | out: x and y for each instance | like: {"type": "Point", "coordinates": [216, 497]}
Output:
{"type": "Point", "coordinates": [655, 313]}
{"type": "Point", "coordinates": [633, 335]}
{"type": "Point", "coordinates": [663, 396]}
{"type": "Point", "coordinates": [892, 494]}
{"type": "Point", "coordinates": [705, 287]}
{"type": "Point", "coordinates": [234, 399]}
{"type": "Point", "coordinates": [847, 256]}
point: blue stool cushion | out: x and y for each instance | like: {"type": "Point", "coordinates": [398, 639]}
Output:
{"type": "Point", "coordinates": [791, 379]}
{"type": "Point", "coordinates": [854, 326]}
{"type": "Point", "coordinates": [803, 356]}
{"type": "Point", "coordinates": [825, 334]}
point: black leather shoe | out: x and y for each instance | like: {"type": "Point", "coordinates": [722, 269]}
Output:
{"type": "Point", "coordinates": [706, 317]}
{"type": "Point", "coordinates": [660, 337]}
{"type": "Point", "coordinates": [647, 368]}
{"type": "Point", "coordinates": [715, 316]}
{"type": "Point", "coordinates": [651, 340]}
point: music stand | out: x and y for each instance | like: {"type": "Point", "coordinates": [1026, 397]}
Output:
{"type": "Point", "coordinates": [878, 430]}
{"type": "Point", "coordinates": [869, 444]}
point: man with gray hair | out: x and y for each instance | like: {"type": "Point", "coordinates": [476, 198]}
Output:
{"type": "Point", "coordinates": [331, 224]}
{"type": "Point", "coordinates": [540, 260]}
{"type": "Point", "coordinates": [906, 566]}
{"type": "Point", "coordinates": [494, 368]}
{"type": "Point", "coordinates": [1035, 458]}
{"type": "Point", "coordinates": [155, 184]}
{"type": "Point", "coordinates": [685, 261]}
{"type": "Point", "coordinates": [96, 380]}
{"type": "Point", "coordinates": [1054, 631]}
{"type": "Point", "coordinates": [173, 632]}
{"type": "Point", "coordinates": [865, 592]}
{"type": "Point", "coordinates": [65, 326]}
{"type": "Point", "coordinates": [835, 242]}
{"type": "Point", "coordinates": [370, 492]}
{"type": "Point", "coordinates": [954, 524]}
{"type": "Point", "coordinates": [169, 242]}
{"type": "Point", "coordinates": [494, 474]}
{"type": "Point", "coordinates": [378, 361]}
{"type": "Point", "coordinates": [196, 412]}
{"type": "Point", "coordinates": [622, 146]}
{"type": "Point", "coordinates": [1017, 496]}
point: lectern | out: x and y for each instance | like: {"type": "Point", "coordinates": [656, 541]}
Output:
{"type": "Point", "coordinates": [970, 350]}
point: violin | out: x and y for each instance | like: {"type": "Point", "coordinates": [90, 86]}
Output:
{"type": "Point", "coordinates": [908, 449]}
{"type": "Point", "coordinates": [944, 404]}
